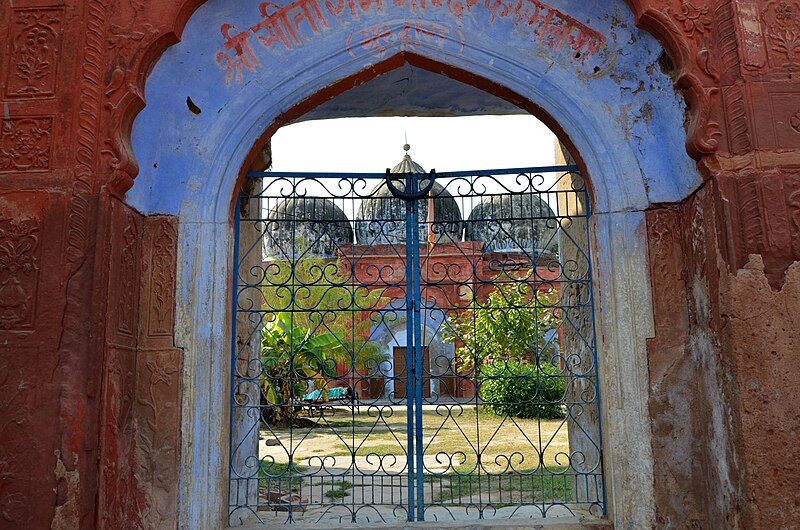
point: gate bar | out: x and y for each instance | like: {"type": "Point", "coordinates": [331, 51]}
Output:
{"type": "Point", "coordinates": [418, 349]}
{"type": "Point", "coordinates": [444, 174]}
{"type": "Point", "coordinates": [234, 357]}
{"type": "Point", "coordinates": [410, 394]}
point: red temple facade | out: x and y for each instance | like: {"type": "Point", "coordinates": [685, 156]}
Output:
{"type": "Point", "coordinates": [450, 274]}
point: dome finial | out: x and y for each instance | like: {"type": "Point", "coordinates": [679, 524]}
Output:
{"type": "Point", "coordinates": [406, 147]}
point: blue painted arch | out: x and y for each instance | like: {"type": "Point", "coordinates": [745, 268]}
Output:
{"type": "Point", "coordinates": [615, 107]}
{"type": "Point", "coordinates": [617, 110]}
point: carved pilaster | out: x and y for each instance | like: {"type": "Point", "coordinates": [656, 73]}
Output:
{"type": "Point", "coordinates": [159, 374]}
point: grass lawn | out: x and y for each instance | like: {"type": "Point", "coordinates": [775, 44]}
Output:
{"type": "Point", "coordinates": [526, 487]}
{"type": "Point", "coordinates": [521, 461]}
{"type": "Point", "coordinates": [338, 489]}
{"type": "Point", "coordinates": [454, 434]}
{"type": "Point", "coordinates": [275, 476]}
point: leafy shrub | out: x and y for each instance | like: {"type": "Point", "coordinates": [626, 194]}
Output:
{"type": "Point", "coordinates": [522, 390]}
{"type": "Point", "coordinates": [512, 323]}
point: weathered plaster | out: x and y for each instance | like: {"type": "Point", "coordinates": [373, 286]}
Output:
{"type": "Point", "coordinates": [719, 456]}
{"type": "Point", "coordinates": [191, 162]}
{"type": "Point", "coordinates": [761, 328]}
{"type": "Point", "coordinates": [585, 103]}
{"type": "Point", "coordinates": [66, 514]}
{"type": "Point", "coordinates": [696, 483]}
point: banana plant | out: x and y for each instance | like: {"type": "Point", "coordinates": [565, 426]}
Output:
{"type": "Point", "coordinates": [291, 356]}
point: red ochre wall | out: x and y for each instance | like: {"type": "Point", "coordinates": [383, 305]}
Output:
{"type": "Point", "coordinates": [89, 375]}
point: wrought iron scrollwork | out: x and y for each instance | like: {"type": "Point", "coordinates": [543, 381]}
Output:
{"type": "Point", "coordinates": [426, 352]}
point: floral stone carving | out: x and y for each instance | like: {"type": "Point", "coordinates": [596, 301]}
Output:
{"type": "Point", "coordinates": [19, 242]}
{"type": "Point", "coordinates": [25, 144]}
{"type": "Point", "coordinates": [34, 53]}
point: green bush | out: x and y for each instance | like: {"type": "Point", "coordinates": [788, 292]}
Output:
{"type": "Point", "coordinates": [522, 390]}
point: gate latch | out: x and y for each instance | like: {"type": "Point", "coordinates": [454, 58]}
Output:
{"type": "Point", "coordinates": [411, 191]}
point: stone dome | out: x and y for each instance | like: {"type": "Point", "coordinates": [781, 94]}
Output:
{"type": "Point", "coordinates": [515, 224]}
{"type": "Point", "coordinates": [306, 227]}
{"type": "Point", "coordinates": [380, 219]}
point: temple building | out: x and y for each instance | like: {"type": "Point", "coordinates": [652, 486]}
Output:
{"type": "Point", "coordinates": [504, 233]}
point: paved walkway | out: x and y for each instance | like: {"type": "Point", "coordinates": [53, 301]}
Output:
{"type": "Point", "coordinates": [435, 517]}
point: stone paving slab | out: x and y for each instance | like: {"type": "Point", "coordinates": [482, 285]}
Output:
{"type": "Point", "coordinates": [462, 521]}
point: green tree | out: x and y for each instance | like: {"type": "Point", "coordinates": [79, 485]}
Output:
{"type": "Point", "coordinates": [511, 324]}
{"type": "Point", "coordinates": [290, 357]}
{"type": "Point", "coordinates": [323, 297]}
{"type": "Point", "coordinates": [522, 390]}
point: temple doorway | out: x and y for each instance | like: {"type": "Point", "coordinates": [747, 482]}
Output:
{"type": "Point", "coordinates": [400, 355]}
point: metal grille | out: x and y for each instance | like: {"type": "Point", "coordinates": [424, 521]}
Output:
{"type": "Point", "coordinates": [413, 347]}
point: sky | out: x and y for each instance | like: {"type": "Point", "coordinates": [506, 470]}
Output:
{"type": "Point", "coordinates": [370, 145]}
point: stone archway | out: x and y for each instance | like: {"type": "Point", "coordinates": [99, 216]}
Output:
{"type": "Point", "coordinates": [564, 63]}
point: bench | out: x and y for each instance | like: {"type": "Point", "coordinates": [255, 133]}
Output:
{"type": "Point", "coordinates": [316, 405]}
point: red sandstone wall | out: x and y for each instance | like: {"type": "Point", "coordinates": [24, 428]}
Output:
{"type": "Point", "coordinates": [88, 400]}
{"type": "Point", "coordinates": [89, 396]}
{"type": "Point", "coordinates": [724, 399]}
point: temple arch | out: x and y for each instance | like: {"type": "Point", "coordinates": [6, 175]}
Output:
{"type": "Point", "coordinates": [579, 81]}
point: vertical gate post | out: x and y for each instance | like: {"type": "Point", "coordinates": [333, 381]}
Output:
{"type": "Point", "coordinates": [414, 258]}
{"type": "Point", "coordinates": [411, 227]}
{"type": "Point", "coordinates": [585, 431]}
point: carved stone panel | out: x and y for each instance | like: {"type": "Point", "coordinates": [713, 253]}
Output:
{"type": "Point", "coordinates": [751, 34]}
{"type": "Point", "coordinates": [158, 416]}
{"type": "Point", "coordinates": [123, 282]}
{"type": "Point", "coordinates": [118, 481]}
{"type": "Point", "coordinates": [158, 377]}
{"type": "Point", "coordinates": [29, 234]}
{"type": "Point", "coordinates": [785, 105]}
{"type": "Point", "coordinates": [739, 136]}
{"type": "Point", "coordinates": [26, 143]}
{"type": "Point", "coordinates": [781, 19]}
{"type": "Point", "coordinates": [762, 216]}
{"type": "Point", "coordinates": [28, 489]}
{"type": "Point", "coordinates": [19, 272]}
{"type": "Point", "coordinates": [158, 282]}
{"type": "Point", "coordinates": [792, 185]}
{"type": "Point", "coordinates": [118, 490]}
{"type": "Point", "coordinates": [33, 52]}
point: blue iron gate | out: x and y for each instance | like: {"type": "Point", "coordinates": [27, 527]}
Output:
{"type": "Point", "coordinates": [413, 346]}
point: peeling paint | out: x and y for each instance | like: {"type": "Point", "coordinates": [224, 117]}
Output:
{"type": "Point", "coordinates": [66, 515]}
{"type": "Point", "coordinates": [495, 52]}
